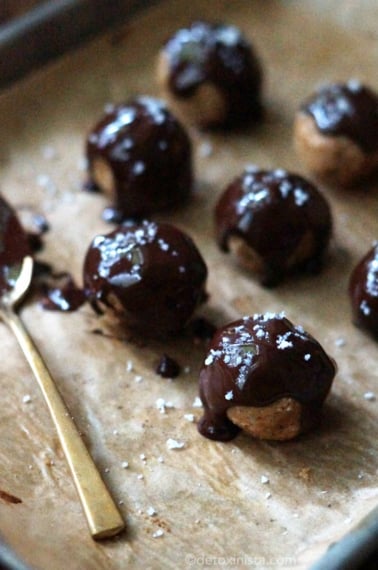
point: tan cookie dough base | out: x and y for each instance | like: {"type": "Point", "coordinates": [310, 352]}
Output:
{"type": "Point", "coordinates": [280, 421]}
{"type": "Point", "coordinates": [252, 260]}
{"type": "Point", "coordinates": [103, 177]}
{"type": "Point", "coordinates": [207, 106]}
{"type": "Point", "coordinates": [334, 159]}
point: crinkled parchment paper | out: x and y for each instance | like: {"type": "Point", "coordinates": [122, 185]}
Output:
{"type": "Point", "coordinates": [211, 502]}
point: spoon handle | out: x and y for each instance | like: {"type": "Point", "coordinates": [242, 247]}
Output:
{"type": "Point", "coordinates": [103, 516]}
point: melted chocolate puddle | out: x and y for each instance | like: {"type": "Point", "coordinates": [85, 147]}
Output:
{"type": "Point", "coordinates": [168, 367]}
{"type": "Point", "coordinates": [14, 246]}
{"type": "Point", "coordinates": [60, 293]}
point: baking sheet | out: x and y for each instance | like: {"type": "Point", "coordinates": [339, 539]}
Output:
{"type": "Point", "coordinates": [209, 498]}
{"type": "Point", "coordinates": [31, 37]}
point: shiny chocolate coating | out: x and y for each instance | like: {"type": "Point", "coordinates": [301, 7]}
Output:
{"type": "Point", "coordinates": [220, 55]}
{"type": "Point", "coordinates": [151, 275]}
{"type": "Point", "coordinates": [346, 109]}
{"type": "Point", "coordinates": [14, 246]}
{"type": "Point", "coordinates": [363, 292]}
{"type": "Point", "coordinates": [256, 361]}
{"type": "Point", "coordinates": [272, 212]}
{"type": "Point", "coordinates": [168, 367]}
{"type": "Point", "coordinates": [148, 153]}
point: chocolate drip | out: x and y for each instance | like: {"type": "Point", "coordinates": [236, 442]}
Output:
{"type": "Point", "coordinates": [256, 361]}
{"type": "Point", "coordinates": [349, 110]}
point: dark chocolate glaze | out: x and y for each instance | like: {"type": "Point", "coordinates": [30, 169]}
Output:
{"type": "Point", "coordinates": [168, 367]}
{"type": "Point", "coordinates": [272, 211]}
{"type": "Point", "coordinates": [149, 154]}
{"type": "Point", "coordinates": [64, 295]}
{"type": "Point", "coordinates": [203, 329]}
{"type": "Point", "coordinates": [35, 225]}
{"type": "Point", "coordinates": [256, 361]}
{"type": "Point", "coordinates": [363, 291]}
{"type": "Point", "coordinates": [14, 246]}
{"type": "Point", "coordinates": [349, 110]}
{"type": "Point", "coordinates": [35, 242]}
{"type": "Point", "coordinates": [217, 54]}
{"type": "Point", "coordinates": [151, 275]}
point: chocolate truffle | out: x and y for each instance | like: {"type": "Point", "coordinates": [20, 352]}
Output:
{"type": "Point", "coordinates": [14, 246]}
{"type": "Point", "coordinates": [211, 75]}
{"type": "Point", "coordinates": [141, 156]}
{"type": "Point", "coordinates": [275, 222]}
{"type": "Point", "coordinates": [363, 291]}
{"type": "Point", "coordinates": [151, 276]}
{"type": "Point", "coordinates": [263, 375]}
{"type": "Point", "coordinates": [336, 133]}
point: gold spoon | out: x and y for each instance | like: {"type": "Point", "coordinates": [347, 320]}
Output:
{"type": "Point", "coordinates": [103, 517]}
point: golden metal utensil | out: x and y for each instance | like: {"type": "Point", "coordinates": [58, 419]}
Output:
{"type": "Point", "coordinates": [103, 517]}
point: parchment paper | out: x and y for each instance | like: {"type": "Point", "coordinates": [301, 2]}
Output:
{"type": "Point", "coordinates": [210, 498]}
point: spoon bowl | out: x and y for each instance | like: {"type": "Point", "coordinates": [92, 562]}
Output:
{"type": "Point", "coordinates": [10, 298]}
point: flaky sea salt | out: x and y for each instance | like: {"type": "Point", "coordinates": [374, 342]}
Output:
{"type": "Point", "coordinates": [174, 444]}
{"type": "Point", "coordinates": [229, 395]}
{"type": "Point", "coordinates": [264, 479]}
{"type": "Point", "coordinates": [162, 405]}
{"type": "Point", "coordinates": [158, 533]}
{"type": "Point", "coordinates": [45, 182]}
{"type": "Point", "coordinates": [48, 152]}
{"type": "Point", "coordinates": [151, 512]}
{"type": "Point", "coordinates": [189, 417]}
{"type": "Point", "coordinates": [26, 399]}
{"type": "Point", "coordinates": [283, 342]}
{"type": "Point", "coordinates": [365, 307]}
{"type": "Point", "coordinates": [370, 396]}
{"type": "Point", "coordinates": [155, 108]}
{"type": "Point", "coordinates": [139, 167]}
{"type": "Point", "coordinates": [125, 464]}
{"type": "Point", "coordinates": [205, 149]}
{"type": "Point", "coordinates": [197, 402]}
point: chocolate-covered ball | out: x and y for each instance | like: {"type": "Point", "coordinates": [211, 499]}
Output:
{"type": "Point", "coordinates": [275, 222]}
{"type": "Point", "coordinates": [151, 276]}
{"type": "Point", "coordinates": [336, 133]}
{"type": "Point", "coordinates": [211, 75]}
{"type": "Point", "coordinates": [141, 156]}
{"type": "Point", "coordinates": [14, 246]}
{"type": "Point", "coordinates": [363, 291]}
{"type": "Point", "coordinates": [263, 375]}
